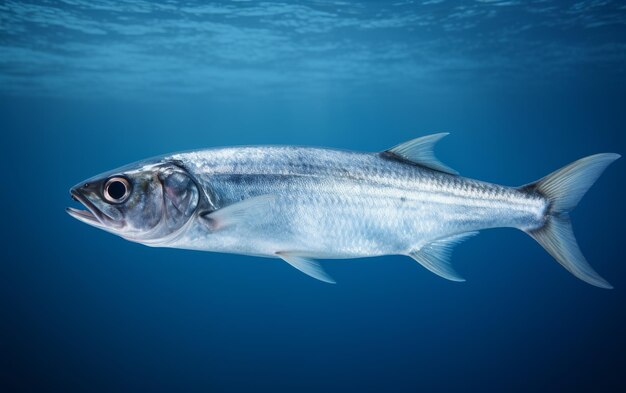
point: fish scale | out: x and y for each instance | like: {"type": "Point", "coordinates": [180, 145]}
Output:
{"type": "Point", "coordinates": [351, 204]}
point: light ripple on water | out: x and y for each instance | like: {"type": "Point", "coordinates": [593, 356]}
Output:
{"type": "Point", "coordinates": [128, 47]}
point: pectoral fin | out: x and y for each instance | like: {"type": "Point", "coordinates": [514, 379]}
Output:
{"type": "Point", "coordinates": [248, 210]}
{"type": "Point", "coordinates": [306, 265]}
{"type": "Point", "coordinates": [435, 256]}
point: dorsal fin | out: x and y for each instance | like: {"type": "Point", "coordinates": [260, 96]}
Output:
{"type": "Point", "coordinates": [420, 151]}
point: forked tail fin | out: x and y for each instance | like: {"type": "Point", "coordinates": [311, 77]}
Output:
{"type": "Point", "coordinates": [564, 189]}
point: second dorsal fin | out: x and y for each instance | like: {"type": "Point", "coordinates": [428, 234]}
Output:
{"type": "Point", "coordinates": [420, 151]}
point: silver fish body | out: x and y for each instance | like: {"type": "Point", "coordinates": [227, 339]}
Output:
{"type": "Point", "coordinates": [302, 204]}
{"type": "Point", "coordinates": [338, 204]}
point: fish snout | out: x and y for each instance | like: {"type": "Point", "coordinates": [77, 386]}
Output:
{"type": "Point", "coordinates": [88, 195]}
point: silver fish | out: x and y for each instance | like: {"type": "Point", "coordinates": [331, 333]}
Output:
{"type": "Point", "coordinates": [303, 204]}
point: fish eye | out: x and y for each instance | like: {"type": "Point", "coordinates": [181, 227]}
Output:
{"type": "Point", "coordinates": [116, 190]}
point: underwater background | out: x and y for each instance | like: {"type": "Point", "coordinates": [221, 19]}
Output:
{"type": "Point", "coordinates": [523, 87]}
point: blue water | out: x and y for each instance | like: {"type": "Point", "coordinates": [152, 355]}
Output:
{"type": "Point", "coordinates": [523, 88]}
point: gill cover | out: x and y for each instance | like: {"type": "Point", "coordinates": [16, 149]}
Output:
{"type": "Point", "coordinates": [180, 196]}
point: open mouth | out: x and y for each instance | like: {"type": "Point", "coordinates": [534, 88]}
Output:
{"type": "Point", "coordinates": [92, 216]}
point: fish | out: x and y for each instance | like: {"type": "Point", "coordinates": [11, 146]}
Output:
{"type": "Point", "coordinates": [303, 204]}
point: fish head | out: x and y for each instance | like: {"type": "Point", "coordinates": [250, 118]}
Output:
{"type": "Point", "coordinates": [144, 202]}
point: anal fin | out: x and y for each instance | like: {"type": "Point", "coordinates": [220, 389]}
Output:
{"type": "Point", "coordinates": [435, 256]}
{"type": "Point", "coordinates": [306, 265]}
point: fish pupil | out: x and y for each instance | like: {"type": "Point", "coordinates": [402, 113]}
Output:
{"type": "Point", "coordinates": [117, 189]}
